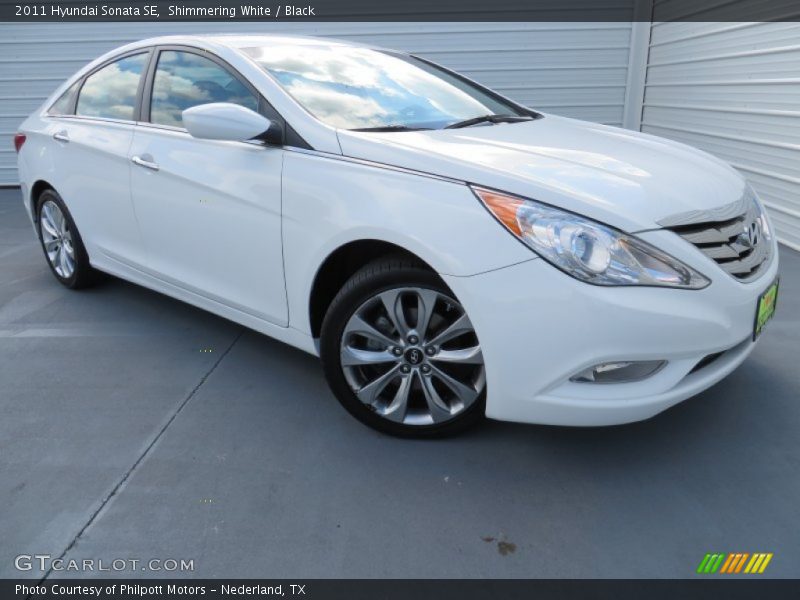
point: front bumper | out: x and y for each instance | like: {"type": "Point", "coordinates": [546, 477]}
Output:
{"type": "Point", "coordinates": [538, 327]}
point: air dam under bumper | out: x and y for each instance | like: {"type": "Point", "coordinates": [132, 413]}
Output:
{"type": "Point", "coordinates": [538, 327]}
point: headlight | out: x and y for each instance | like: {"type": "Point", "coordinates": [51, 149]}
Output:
{"type": "Point", "coordinates": [585, 249]}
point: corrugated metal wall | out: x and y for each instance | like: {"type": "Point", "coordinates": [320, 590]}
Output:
{"type": "Point", "coordinates": [733, 89]}
{"type": "Point", "coordinates": [573, 69]}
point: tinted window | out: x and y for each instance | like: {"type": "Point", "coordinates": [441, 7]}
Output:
{"type": "Point", "coordinates": [63, 106]}
{"type": "Point", "coordinates": [111, 91]}
{"type": "Point", "coordinates": [351, 87]}
{"type": "Point", "coordinates": [184, 80]}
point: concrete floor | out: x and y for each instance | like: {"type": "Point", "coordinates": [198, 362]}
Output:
{"type": "Point", "coordinates": [120, 438]}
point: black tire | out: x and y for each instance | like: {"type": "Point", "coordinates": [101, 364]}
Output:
{"type": "Point", "coordinates": [82, 275]}
{"type": "Point", "coordinates": [380, 276]}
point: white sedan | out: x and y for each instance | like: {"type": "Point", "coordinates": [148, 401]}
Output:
{"type": "Point", "coordinates": [447, 252]}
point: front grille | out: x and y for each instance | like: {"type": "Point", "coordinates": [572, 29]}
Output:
{"type": "Point", "coordinates": [739, 245]}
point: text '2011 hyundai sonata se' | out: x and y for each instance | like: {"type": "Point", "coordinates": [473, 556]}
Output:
{"type": "Point", "coordinates": [447, 252]}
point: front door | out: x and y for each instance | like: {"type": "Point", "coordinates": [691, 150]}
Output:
{"type": "Point", "coordinates": [209, 211]}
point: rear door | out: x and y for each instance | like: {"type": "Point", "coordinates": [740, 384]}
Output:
{"type": "Point", "coordinates": [209, 211]}
{"type": "Point", "coordinates": [91, 129]}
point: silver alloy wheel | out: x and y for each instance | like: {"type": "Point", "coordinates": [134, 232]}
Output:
{"type": "Point", "coordinates": [412, 356]}
{"type": "Point", "coordinates": [57, 239]}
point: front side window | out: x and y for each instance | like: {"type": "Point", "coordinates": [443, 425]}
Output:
{"type": "Point", "coordinates": [111, 92]}
{"type": "Point", "coordinates": [360, 88]}
{"type": "Point", "coordinates": [184, 80]}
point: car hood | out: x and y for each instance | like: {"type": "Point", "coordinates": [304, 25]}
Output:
{"type": "Point", "coordinates": [624, 178]}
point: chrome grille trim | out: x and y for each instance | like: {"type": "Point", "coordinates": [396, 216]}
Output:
{"type": "Point", "coordinates": [721, 213]}
{"type": "Point", "coordinates": [737, 244]}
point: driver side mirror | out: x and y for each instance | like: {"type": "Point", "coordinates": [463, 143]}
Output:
{"type": "Point", "coordinates": [230, 122]}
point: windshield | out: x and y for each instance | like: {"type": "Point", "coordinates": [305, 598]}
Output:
{"type": "Point", "coordinates": [360, 88]}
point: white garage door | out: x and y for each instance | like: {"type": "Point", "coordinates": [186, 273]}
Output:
{"type": "Point", "coordinates": [574, 69]}
{"type": "Point", "coordinates": [733, 89]}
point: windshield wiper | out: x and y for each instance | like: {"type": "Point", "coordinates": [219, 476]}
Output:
{"type": "Point", "coordinates": [489, 119]}
{"type": "Point", "coordinates": [392, 128]}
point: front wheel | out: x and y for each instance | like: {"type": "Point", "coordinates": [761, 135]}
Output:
{"type": "Point", "coordinates": [401, 354]}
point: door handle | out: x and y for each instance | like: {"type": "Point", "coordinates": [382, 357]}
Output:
{"type": "Point", "coordinates": [61, 136]}
{"type": "Point", "coordinates": [143, 162]}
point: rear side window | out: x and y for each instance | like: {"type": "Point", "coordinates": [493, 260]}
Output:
{"type": "Point", "coordinates": [184, 80]}
{"type": "Point", "coordinates": [63, 106]}
{"type": "Point", "coordinates": [110, 93]}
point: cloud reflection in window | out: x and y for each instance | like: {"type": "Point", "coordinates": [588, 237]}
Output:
{"type": "Point", "coordinates": [353, 87]}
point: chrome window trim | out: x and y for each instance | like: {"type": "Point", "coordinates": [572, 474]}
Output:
{"type": "Point", "coordinates": [185, 132]}
{"type": "Point", "coordinates": [149, 125]}
{"type": "Point", "coordinates": [90, 119]}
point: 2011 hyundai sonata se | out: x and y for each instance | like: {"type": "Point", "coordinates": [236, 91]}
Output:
{"type": "Point", "coordinates": [447, 252]}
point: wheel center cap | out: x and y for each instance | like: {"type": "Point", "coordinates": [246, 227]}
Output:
{"type": "Point", "coordinates": [414, 356]}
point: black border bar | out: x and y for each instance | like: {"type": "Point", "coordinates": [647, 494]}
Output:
{"type": "Point", "coordinates": [405, 10]}
{"type": "Point", "coordinates": [707, 587]}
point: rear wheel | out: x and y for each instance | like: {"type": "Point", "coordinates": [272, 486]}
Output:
{"type": "Point", "coordinates": [61, 242]}
{"type": "Point", "coordinates": [401, 354]}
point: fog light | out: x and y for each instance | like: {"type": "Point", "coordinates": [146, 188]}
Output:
{"type": "Point", "coordinates": [619, 372]}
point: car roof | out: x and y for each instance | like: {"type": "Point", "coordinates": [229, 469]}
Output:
{"type": "Point", "coordinates": [238, 40]}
